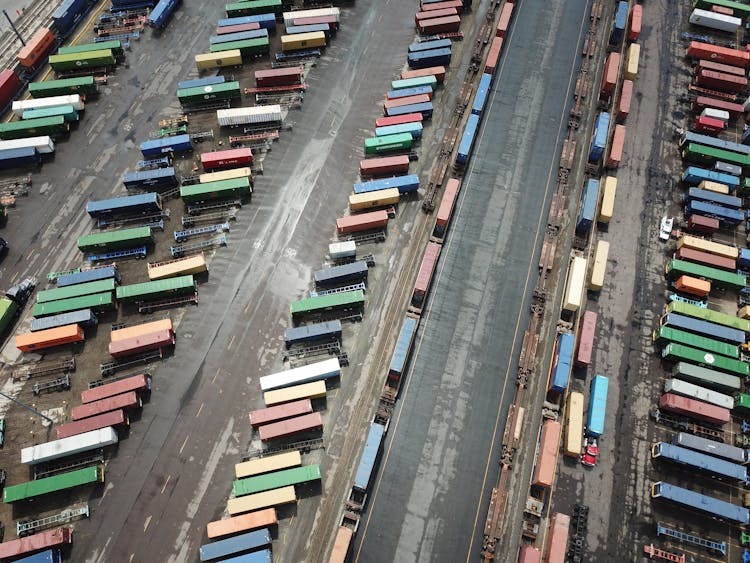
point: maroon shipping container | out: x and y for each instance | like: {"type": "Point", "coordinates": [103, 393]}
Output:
{"type": "Point", "coordinates": [448, 24]}
{"type": "Point", "coordinates": [617, 146]}
{"type": "Point", "coordinates": [698, 50]}
{"type": "Point", "coordinates": [709, 125]}
{"type": "Point", "coordinates": [140, 382]}
{"type": "Point", "coordinates": [280, 412]}
{"type": "Point", "coordinates": [36, 542]}
{"type": "Point", "coordinates": [694, 409]}
{"type": "Point", "coordinates": [10, 84]}
{"type": "Point", "coordinates": [445, 211]}
{"type": "Point", "coordinates": [626, 97]}
{"type": "Point", "coordinates": [227, 159]}
{"type": "Point", "coordinates": [437, 71]}
{"type": "Point", "coordinates": [290, 426]}
{"type": "Point", "coordinates": [701, 224]}
{"type": "Point", "coordinates": [143, 343]}
{"type": "Point", "coordinates": [112, 418]}
{"type": "Point", "coordinates": [424, 277]}
{"type": "Point", "coordinates": [333, 25]}
{"type": "Point", "coordinates": [504, 22]}
{"type": "Point", "coordinates": [127, 400]}
{"type": "Point", "coordinates": [493, 56]}
{"type": "Point", "coordinates": [406, 101]}
{"type": "Point", "coordinates": [722, 10]}
{"type": "Point", "coordinates": [384, 165]}
{"type": "Point", "coordinates": [362, 222]}
{"type": "Point", "coordinates": [609, 76]}
{"type": "Point", "coordinates": [457, 4]}
{"type": "Point", "coordinates": [702, 102]}
{"type": "Point", "coordinates": [237, 28]}
{"type": "Point", "coordinates": [721, 81]}
{"type": "Point", "coordinates": [420, 16]}
{"type": "Point", "coordinates": [279, 76]}
{"type": "Point", "coordinates": [718, 67]}
{"type": "Point", "coordinates": [636, 21]}
{"type": "Point", "coordinates": [586, 339]}
{"type": "Point", "coordinates": [706, 259]}
{"type": "Point", "coordinates": [399, 119]}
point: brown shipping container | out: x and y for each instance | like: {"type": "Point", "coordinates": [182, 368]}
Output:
{"type": "Point", "coordinates": [446, 204]}
{"type": "Point", "coordinates": [138, 344]}
{"type": "Point", "coordinates": [437, 71]}
{"type": "Point", "coordinates": [546, 465]}
{"type": "Point", "coordinates": [333, 25]}
{"type": "Point", "coordinates": [626, 97]}
{"type": "Point", "coordinates": [504, 21]}
{"type": "Point", "coordinates": [384, 165]}
{"type": "Point", "coordinates": [290, 426]}
{"type": "Point", "coordinates": [111, 418]}
{"type": "Point", "coordinates": [252, 26]}
{"type": "Point", "coordinates": [448, 24]}
{"type": "Point", "coordinates": [140, 382]}
{"type": "Point", "coordinates": [698, 50]}
{"type": "Point", "coordinates": [694, 409]}
{"type": "Point", "coordinates": [702, 102]}
{"type": "Point", "coordinates": [426, 271]}
{"type": "Point", "coordinates": [700, 257]}
{"type": "Point", "coordinates": [280, 412]}
{"type": "Point", "coordinates": [610, 74]}
{"type": "Point", "coordinates": [558, 538]}
{"type": "Point", "coordinates": [419, 16]}
{"type": "Point", "coordinates": [279, 76]}
{"type": "Point", "coordinates": [242, 523]}
{"type": "Point", "coordinates": [493, 56]}
{"type": "Point", "coordinates": [721, 81]}
{"type": "Point", "coordinates": [406, 101]}
{"type": "Point", "coordinates": [718, 67]}
{"type": "Point", "coordinates": [362, 222]}
{"type": "Point", "coordinates": [702, 224]}
{"type": "Point", "coordinates": [125, 401]}
{"type": "Point", "coordinates": [457, 4]}
{"type": "Point", "coordinates": [615, 149]}
{"type": "Point", "coordinates": [693, 286]}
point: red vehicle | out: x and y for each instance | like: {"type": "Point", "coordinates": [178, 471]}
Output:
{"type": "Point", "coordinates": [362, 222]}
{"type": "Point", "coordinates": [708, 125]}
{"type": "Point", "coordinates": [125, 401]}
{"type": "Point", "coordinates": [35, 52]}
{"type": "Point", "coordinates": [10, 84]}
{"type": "Point", "coordinates": [140, 383]}
{"type": "Point", "coordinates": [279, 76]}
{"type": "Point", "coordinates": [701, 224]}
{"type": "Point", "coordinates": [588, 460]}
{"type": "Point", "coordinates": [626, 97]}
{"type": "Point", "coordinates": [706, 259]}
{"type": "Point", "coordinates": [698, 50]}
{"type": "Point", "coordinates": [445, 211]}
{"type": "Point", "coordinates": [252, 26]}
{"type": "Point", "coordinates": [399, 119]}
{"type": "Point", "coordinates": [305, 423]}
{"type": "Point", "coordinates": [144, 343]}
{"type": "Point", "coordinates": [448, 24]}
{"type": "Point", "coordinates": [636, 19]}
{"type": "Point", "coordinates": [586, 338]}
{"type": "Point", "coordinates": [496, 47]}
{"type": "Point", "coordinates": [721, 81]}
{"type": "Point", "coordinates": [437, 71]}
{"type": "Point", "coordinates": [116, 418]}
{"type": "Point", "coordinates": [230, 158]}
{"type": "Point", "coordinates": [420, 16]}
{"type": "Point", "coordinates": [384, 165]}
{"type": "Point", "coordinates": [504, 22]}
{"type": "Point", "coordinates": [694, 409]}
{"type": "Point", "coordinates": [36, 542]}
{"type": "Point", "coordinates": [424, 277]}
{"type": "Point", "coordinates": [609, 76]}
{"type": "Point", "coordinates": [280, 412]}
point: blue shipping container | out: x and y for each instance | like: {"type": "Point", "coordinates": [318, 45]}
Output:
{"type": "Point", "coordinates": [599, 138]}
{"type": "Point", "coordinates": [698, 460]}
{"type": "Point", "coordinates": [425, 108]}
{"type": "Point", "coordinates": [618, 26]}
{"type": "Point", "coordinates": [235, 545]}
{"type": "Point", "coordinates": [704, 328]}
{"type": "Point", "coordinates": [141, 203]}
{"type": "Point", "coordinates": [404, 92]}
{"type": "Point", "coordinates": [430, 45]}
{"type": "Point", "coordinates": [178, 143]}
{"type": "Point", "coordinates": [563, 363]}
{"type": "Point", "coordinates": [266, 21]}
{"type": "Point", "coordinates": [714, 197]}
{"type": "Point", "coordinates": [68, 14]}
{"type": "Point", "coordinates": [726, 216]}
{"type": "Point", "coordinates": [263, 556]}
{"type": "Point", "coordinates": [414, 129]}
{"type": "Point", "coordinates": [311, 28]}
{"type": "Point", "coordinates": [83, 317]}
{"type": "Point", "coordinates": [48, 556]}
{"type": "Point", "coordinates": [744, 258]}
{"type": "Point", "coordinates": [197, 82]}
{"type": "Point", "coordinates": [369, 457]}
{"type": "Point", "coordinates": [86, 276]}
{"type": "Point", "coordinates": [587, 211]}
{"type": "Point", "coordinates": [693, 175]}
{"type": "Point", "coordinates": [405, 184]}
{"type": "Point", "coordinates": [159, 16]}
{"type": "Point", "coordinates": [239, 36]}
{"type": "Point", "coordinates": [19, 158]}
{"type": "Point", "coordinates": [597, 406]}
{"type": "Point", "coordinates": [703, 503]}
{"type": "Point", "coordinates": [403, 346]}
{"type": "Point", "coordinates": [714, 142]}
{"type": "Point", "coordinates": [483, 91]}
{"type": "Point", "coordinates": [467, 140]}
{"type": "Point", "coordinates": [328, 330]}
{"type": "Point", "coordinates": [351, 272]}
{"type": "Point", "coordinates": [150, 179]}
{"type": "Point", "coordinates": [433, 57]}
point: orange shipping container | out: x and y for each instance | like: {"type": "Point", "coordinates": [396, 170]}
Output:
{"type": "Point", "coordinates": [626, 97]}
{"type": "Point", "coordinates": [694, 286]}
{"type": "Point", "coordinates": [41, 339]}
{"type": "Point", "coordinates": [449, 24]}
{"type": "Point", "coordinates": [546, 463]}
{"type": "Point", "coordinates": [362, 222]}
{"type": "Point", "coordinates": [493, 56]}
{"type": "Point", "coordinates": [615, 150]}
{"type": "Point", "coordinates": [342, 545]}
{"type": "Point", "coordinates": [242, 523]}
{"type": "Point", "coordinates": [138, 344]}
{"type": "Point", "coordinates": [504, 22]}
{"type": "Point", "coordinates": [610, 74]}
{"type": "Point", "coordinates": [141, 329]}
{"type": "Point", "coordinates": [37, 48]}
{"type": "Point", "coordinates": [437, 71]}
{"type": "Point", "coordinates": [558, 538]}
{"type": "Point", "coordinates": [406, 101]}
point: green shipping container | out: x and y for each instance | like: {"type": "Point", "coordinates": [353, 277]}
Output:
{"type": "Point", "coordinates": [705, 377]}
{"type": "Point", "coordinates": [677, 353]}
{"type": "Point", "coordinates": [254, 7]}
{"type": "Point", "coordinates": [322, 303]}
{"type": "Point", "coordinates": [114, 45]}
{"type": "Point", "coordinates": [708, 315]}
{"type": "Point", "coordinates": [740, 10]}
{"type": "Point", "coordinates": [33, 127]}
{"type": "Point", "coordinates": [225, 91]}
{"type": "Point", "coordinates": [742, 401]}
{"type": "Point", "coordinates": [702, 153]}
{"type": "Point", "coordinates": [180, 285]}
{"type": "Point", "coordinates": [112, 240]}
{"type": "Point", "coordinates": [414, 82]}
{"type": "Point", "coordinates": [234, 187]}
{"type": "Point", "coordinates": [47, 485]}
{"type": "Point", "coordinates": [388, 143]}
{"type": "Point", "coordinates": [8, 310]}
{"type": "Point", "coordinates": [276, 479]}
{"type": "Point", "coordinates": [677, 268]}
{"type": "Point", "coordinates": [98, 302]}
{"type": "Point", "coordinates": [77, 290]}
{"type": "Point", "coordinates": [88, 59]}
{"type": "Point", "coordinates": [68, 112]}
{"type": "Point", "coordinates": [79, 85]}
{"type": "Point", "coordinates": [665, 334]}
{"type": "Point", "coordinates": [256, 46]}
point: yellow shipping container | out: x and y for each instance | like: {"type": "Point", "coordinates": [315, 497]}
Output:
{"type": "Point", "coordinates": [244, 172]}
{"type": "Point", "coordinates": [303, 41]}
{"type": "Point", "coordinates": [633, 56]}
{"type": "Point", "coordinates": [608, 199]}
{"type": "Point", "coordinates": [379, 198]}
{"type": "Point", "coordinates": [714, 187]}
{"type": "Point", "coordinates": [744, 312]}
{"type": "Point", "coordinates": [217, 60]}
{"type": "Point", "coordinates": [573, 297]}
{"type": "Point", "coordinates": [599, 269]}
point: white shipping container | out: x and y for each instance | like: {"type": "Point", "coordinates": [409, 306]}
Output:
{"type": "Point", "coordinates": [304, 374]}
{"type": "Point", "coordinates": [289, 17]}
{"type": "Point", "coordinates": [65, 447]}
{"type": "Point", "coordinates": [52, 102]}
{"type": "Point", "coordinates": [244, 116]}
{"type": "Point", "coordinates": [574, 288]}
{"type": "Point", "coordinates": [679, 387]}
{"type": "Point", "coordinates": [338, 250]}
{"type": "Point", "coordinates": [716, 114]}
{"type": "Point", "coordinates": [730, 24]}
{"type": "Point", "coordinates": [44, 144]}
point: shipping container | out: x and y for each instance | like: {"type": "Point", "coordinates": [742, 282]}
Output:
{"type": "Point", "coordinates": [42, 540]}
{"type": "Point", "coordinates": [714, 187]}
{"type": "Point", "coordinates": [599, 137]}
{"type": "Point", "coordinates": [171, 287]}
{"type": "Point", "coordinates": [700, 50]}
{"type": "Point", "coordinates": [710, 447]}
{"type": "Point", "coordinates": [586, 338]}
{"type": "Point", "coordinates": [314, 390]}
{"type": "Point", "coordinates": [159, 147]}
{"type": "Point", "coordinates": [446, 24]}
{"type": "Point", "coordinates": [276, 497]}
{"type": "Point", "coordinates": [230, 174]}
{"type": "Point", "coordinates": [275, 480]}
{"type": "Point", "coordinates": [691, 391]}
{"type": "Point", "coordinates": [445, 211]}
{"type": "Point", "coordinates": [310, 28]}
{"type": "Point", "coordinates": [19, 158]}
{"type": "Point", "coordinates": [341, 545]}
{"type": "Point", "coordinates": [124, 401]}
{"type": "Point", "coordinates": [155, 179]}
{"type": "Point", "coordinates": [140, 330]}
{"type": "Point", "coordinates": [610, 75]}
{"type": "Point", "coordinates": [706, 259]}
{"type": "Point", "coordinates": [678, 352]}
{"type": "Point", "coordinates": [558, 531]}
{"type": "Point", "coordinates": [344, 274]}
{"type": "Point", "coordinates": [369, 458]}
{"type": "Point", "coordinates": [341, 250]}
{"type": "Point", "coordinates": [362, 222]}
{"type": "Point", "coordinates": [483, 90]}
{"type": "Point", "coordinates": [694, 409]}
{"type": "Point", "coordinates": [112, 240]}
{"type": "Point", "coordinates": [529, 554]}
{"type": "Point", "coordinates": [253, 47]}
{"type": "Point", "coordinates": [718, 109]}
{"type": "Point", "coordinates": [113, 419]}
{"type": "Point", "coordinates": [226, 30]}
{"type": "Point", "coordinates": [717, 380]}
{"type": "Point", "coordinates": [84, 318]}
{"type": "Point", "coordinates": [133, 204]}
{"type": "Point", "coordinates": [466, 145]}
{"type": "Point", "coordinates": [695, 460]}
{"type": "Point", "coordinates": [329, 330]}
{"type": "Point", "coordinates": [712, 20]}
{"type": "Point", "coordinates": [48, 556]}
{"type": "Point", "coordinates": [253, 7]}
{"type": "Point", "coordinates": [425, 108]}
{"type": "Point", "coordinates": [493, 55]}
{"type": "Point", "coordinates": [719, 249]}
{"type": "Point", "coordinates": [573, 296]}
{"type": "Point", "coordinates": [34, 52]}
{"type": "Point", "coordinates": [693, 176]}
{"type": "Point", "coordinates": [619, 23]}
{"type": "Point", "coordinates": [709, 125]}
{"type": "Point", "coordinates": [403, 184]}
{"type": "Point", "coordinates": [279, 76]}
{"type": "Point", "coordinates": [102, 58]}
{"type": "Point", "coordinates": [114, 45]}
{"type": "Point", "coordinates": [52, 126]}
{"type": "Point", "coordinates": [318, 371]}
{"type": "Point", "coordinates": [617, 146]}
{"type": "Point", "coordinates": [140, 383]}
{"type": "Point", "coordinates": [277, 413]}
{"type": "Point", "coordinates": [599, 268]}
{"type": "Point", "coordinates": [195, 264]}
{"type": "Point", "coordinates": [226, 158]}
{"type": "Point", "coordinates": [248, 541]}
{"type": "Point", "coordinates": [597, 406]}
{"type": "Point", "coordinates": [607, 207]}
{"type": "Point", "coordinates": [68, 113]}
{"type": "Point", "coordinates": [77, 290]}
{"type": "Point", "coordinates": [701, 503]}
{"type": "Point", "coordinates": [693, 286]}
{"type": "Point", "coordinates": [631, 61]}
{"type": "Point", "coordinates": [587, 208]}
{"type": "Point", "coordinates": [10, 86]}
{"type": "Point", "coordinates": [159, 16]}
{"type": "Point", "coordinates": [402, 350]}
{"type": "Point", "coordinates": [420, 16]}
{"type": "Point", "coordinates": [237, 36]}
{"type": "Point", "coordinates": [666, 334]}
{"type": "Point", "coordinates": [425, 274]}
{"type": "Point", "coordinates": [437, 71]}
{"type": "Point", "coordinates": [701, 224]}
{"type": "Point", "coordinates": [97, 302]}
{"type": "Point", "coordinates": [563, 363]}
{"type": "Point", "coordinates": [719, 67]}
{"type": "Point", "coordinates": [720, 81]}
{"type": "Point", "coordinates": [249, 115]}
{"type": "Point", "coordinates": [42, 145]}
{"type": "Point", "coordinates": [232, 188]}
{"type": "Point", "coordinates": [331, 21]}
{"type": "Point", "coordinates": [384, 165]}
{"type": "Point", "coordinates": [299, 41]}
{"type": "Point", "coordinates": [205, 61]}
{"type": "Point", "coordinates": [58, 449]}
{"type": "Point", "coordinates": [63, 87]}
{"type": "Point", "coordinates": [202, 94]}
{"type": "Point", "coordinates": [68, 14]}
{"type": "Point", "coordinates": [230, 526]}
{"type": "Point", "coordinates": [305, 423]}
{"type": "Point", "coordinates": [546, 463]}
{"type": "Point", "coordinates": [266, 21]}
{"type": "Point", "coordinates": [636, 19]}
{"type": "Point", "coordinates": [20, 106]}
{"type": "Point", "coordinates": [721, 278]}
{"type": "Point", "coordinates": [291, 17]}
{"type": "Point", "coordinates": [416, 117]}
{"type": "Point", "coordinates": [60, 482]}
{"type": "Point", "coordinates": [43, 339]}
{"type": "Point", "coordinates": [433, 57]}
{"type": "Point", "coordinates": [347, 301]}
{"type": "Point", "coordinates": [504, 22]}
{"type": "Point", "coordinates": [406, 84]}
{"type": "Point", "coordinates": [573, 425]}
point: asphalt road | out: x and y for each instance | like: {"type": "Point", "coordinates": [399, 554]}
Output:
{"type": "Point", "coordinates": [431, 494]}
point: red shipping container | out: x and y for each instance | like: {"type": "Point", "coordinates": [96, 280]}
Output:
{"type": "Point", "coordinates": [530, 554]}
{"type": "Point", "coordinates": [362, 222]}
{"type": "Point", "coordinates": [399, 119]}
{"type": "Point", "coordinates": [701, 224]}
{"type": "Point", "coordinates": [711, 260]}
{"type": "Point", "coordinates": [226, 159]}
{"type": "Point", "coordinates": [702, 102]}
{"type": "Point", "coordinates": [698, 50]}
{"type": "Point", "coordinates": [457, 4]}
{"type": "Point", "coordinates": [636, 18]}
{"type": "Point", "coordinates": [708, 125]}
{"type": "Point", "coordinates": [333, 25]}
{"type": "Point", "coordinates": [722, 10]}
{"type": "Point", "coordinates": [445, 211]}
{"type": "Point", "coordinates": [125, 401]}
{"type": "Point", "coordinates": [37, 542]}
{"type": "Point", "coordinates": [279, 76]}
{"type": "Point", "coordinates": [426, 271]}
{"type": "Point", "coordinates": [586, 338]}
{"type": "Point", "coordinates": [406, 101]}
{"type": "Point", "coordinates": [138, 344]}
{"type": "Point", "coordinates": [694, 409]}
{"type": "Point", "coordinates": [112, 418]}
{"type": "Point", "coordinates": [718, 67]}
{"type": "Point", "coordinates": [721, 81]}
{"type": "Point", "coordinates": [448, 24]}
{"type": "Point", "coordinates": [609, 76]}
{"type": "Point", "coordinates": [237, 28]}
{"type": "Point", "coordinates": [615, 149]}
{"type": "Point", "coordinates": [419, 16]}
{"type": "Point", "coordinates": [504, 22]}
{"type": "Point", "coordinates": [558, 538]}
{"type": "Point", "coordinates": [384, 165]}
{"type": "Point", "coordinates": [546, 465]}
{"type": "Point", "coordinates": [626, 97]}
{"type": "Point", "coordinates": [37, 48]}
{"type": "Point", "coordinates": [280, 412]}
{"type": "Point", "coordinates": [437, 71]}
{"type": "Point", "coordinates": [10, 84]}
{"type": "Point", "coordinates": [493, 56]}
{"type": "Point", "coordinates": [290, 426]}
{"type": "Point", "coordinates": [140, 382]}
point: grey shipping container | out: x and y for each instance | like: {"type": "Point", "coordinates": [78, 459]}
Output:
{"type": "Point", "coordinates": [329, 330]}
{"type": "Point", "coordinates": [86, 276]}
{"type": "Point", "coordinates": [83, 317]}
{"type": "Point", "coordinates": [710, 447]}
{"type": "Point", "coordinates": [352, 272]}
